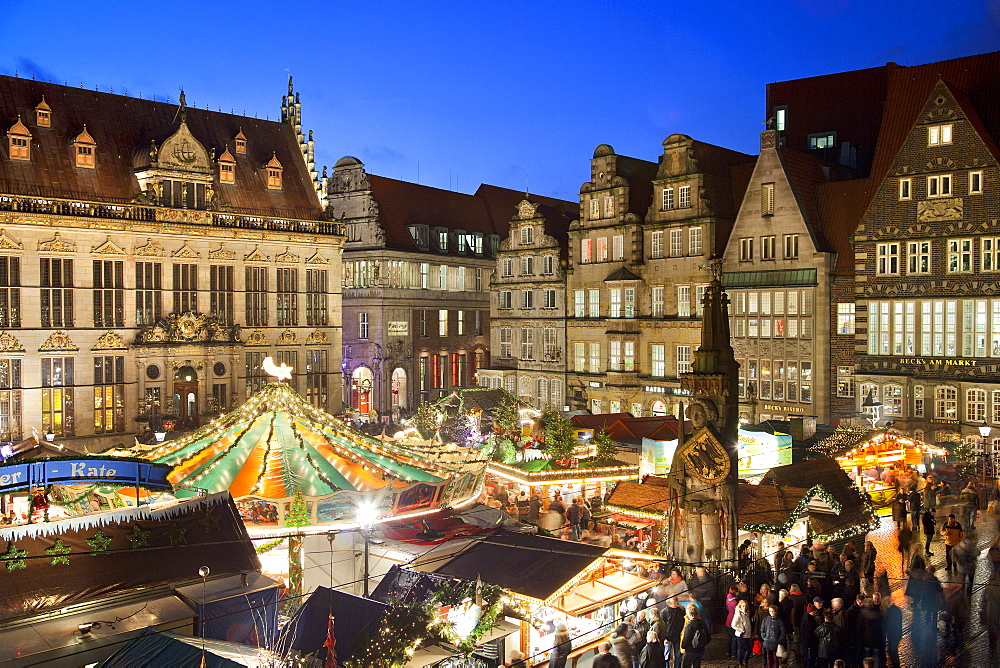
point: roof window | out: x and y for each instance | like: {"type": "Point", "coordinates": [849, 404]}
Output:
{"type": "Point", "coordinates": [273, 169]}
{"type": "Point", "coordinates": [241, 142]}
{"type": "Point", "coordinates": [19, 141]}
{"type": "Point", "coordinates": [84, 149]}
{"type": "Point", "coordinates": [43, 114]}
{"type": "Point", "coordinates": [227, 167]}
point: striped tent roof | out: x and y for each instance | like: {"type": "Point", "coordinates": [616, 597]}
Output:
{"type": "Point", "coordinates": [277, 443]}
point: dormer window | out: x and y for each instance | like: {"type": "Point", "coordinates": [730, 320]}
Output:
{"type": "Point", "coordinates": [19, 141]}
{"type": "Point", "coordinates": [460, 239]}
{"type": "Point", "coordinates": [273, 169]}
{"type": "Point", "coordinates": [442, 239]}
{"type": "Point", "coordinates": [227, 167]}
{"type": "Point", "coordinates": [241, 142]}
{"type": "Point", "coordinates": [419, 234]}
{"type": "Point", "coordinates": [84, 148]}
{"type": "Point", "coordinates": [43, 114]}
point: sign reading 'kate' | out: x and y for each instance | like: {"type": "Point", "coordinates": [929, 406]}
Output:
{"type": "Point", "coordinates": [27, 474]}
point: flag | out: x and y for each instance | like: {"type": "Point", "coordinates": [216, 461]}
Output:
{"type": "Point", "coordinates": [330, 644]}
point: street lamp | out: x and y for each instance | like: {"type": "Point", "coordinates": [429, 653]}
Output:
{"type": "Point", "coordinates": [366, 515]}
{"type": "Point", "coordinates": [984, 433]}
{"type": "Point", "coordinates": [873, 406]}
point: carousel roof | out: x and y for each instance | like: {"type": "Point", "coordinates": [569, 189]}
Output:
{"type": "Point", "coordinates": [276, 444]}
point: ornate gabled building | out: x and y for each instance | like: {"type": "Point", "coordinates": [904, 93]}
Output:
{"type": "Point", "coordinates": [152, 255]}
{"type": "Point", "coordinates": [638, 257]}
{"type": "Point", "coordinates": [928, 316]}
{"type": "Point", "coordinates": [417, 269]}
{"type": "Point", "coordinates": [781, 261]}
{"type": "Point", "coordinates": [528, 305]}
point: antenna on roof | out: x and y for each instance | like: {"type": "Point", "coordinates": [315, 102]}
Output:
{"type": "Point", "coordinates": [525, 186]}
{"type": "Point", "coordinates": [32, 76]}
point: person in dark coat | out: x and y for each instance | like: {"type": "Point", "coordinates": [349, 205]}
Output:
{"type": "Point", "coordinates": [694, 629]}
{"type": "Point", "coordinates": [872, 631]}
{"type": "Point", "coordinates": [621, 647]}
{"type": "Point", "coordinates": [799, 603]}
{"type": "Point", "coordinates": [672, 616]}
{"type": "Point", "coordinates": [652, 655]}
{"type": "Point", "coordinates": [830, 647]}
{"type": "Point", "coordinates": [808, 640]}
{"type": "Point", "coordinates": [929, 522]}
{"type": "Point", "coordinates": [913, 500]}
{"type": "Point", "coordinates": [893, 623]}
{"type": "Point", "coordinates": [868, 562]}
{"type": "Point", "coordinates": [534, 508]}
{"type": "Point", "coordinates": [772, 634]}
{"type": "Point", "coordinates": [605, 659]}
{"type": "Point", "coordinates": [701, 586]}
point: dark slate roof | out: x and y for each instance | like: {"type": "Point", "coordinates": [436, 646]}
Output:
{"type": "Point", "coordinates": [530, 565]}
{"type": "Point", "coordinates": [558, 214]}
{"type": "Point", "coordinates": [725, 177]}
{"type": "Point", "coordinates": [123, 127]}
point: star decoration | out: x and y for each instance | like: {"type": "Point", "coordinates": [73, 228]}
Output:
{"type": "Point", "coordinates": [99, 543]}
{"type": "Point", "coordinates": [138, 537]}
{"type": "Point", "coordinates": [209, 521]}
{"type": "Point", "coordinates": [58, 552]}
{"type": "Point", "coordinates": [176, 535]}
{"type": "Point", "coordinates": [14, 557]}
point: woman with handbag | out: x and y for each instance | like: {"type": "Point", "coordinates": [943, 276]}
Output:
{"type": "Point", "coordinates": [742, 632]}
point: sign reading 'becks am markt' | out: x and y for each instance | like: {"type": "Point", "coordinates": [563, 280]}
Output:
{"type": "Point", "coordinates": [27, 474]}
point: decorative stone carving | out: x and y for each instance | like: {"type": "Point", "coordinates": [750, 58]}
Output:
{"type": "Point", "coordinates": [257, 257]}
{"type": "Point", "coordinates": [185, 252]}
{"type": "Point", "coordinates": [316, 258]}
{"type": "Point", "coordinates": [288, 257]}
{"type": "Point", "coordinates": [109, 247]}
{"type": "Point", "coordinates": [9, 343]}
{"type": "Point", "coordinates": [110, 341]}
{"type": "Point", "coordinates": [939, 209]}
{"type": "Point", "coordinates": [149, 249]}
{"type": "Point", "coordinates": [256, 338]}
{"type": "Point", "coordinates": [56, 245]}
{"type": "Point", "coordinates": [221, 254]}
{"type": "Point", "coordinates": [317, 338]}
{"type": "Point", "coordinates": [188, 327]}
{"type": "Point", "coordinates": [287, 338]}
{"type": "Point", "coordinates": [58, 340]}
{"type": "Point", "coordinates": [8, 244]}
{"type": "Point", "coordinates": [527, 210]}
{"type": "Point", "coordinates": [768, 139]}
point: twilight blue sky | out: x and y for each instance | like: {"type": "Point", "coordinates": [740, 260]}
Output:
{"type": "Point", "coordinates": [496, 92]}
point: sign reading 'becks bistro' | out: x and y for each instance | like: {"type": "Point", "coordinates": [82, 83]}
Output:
{"type": "Point", "coordinates": [27, 474]}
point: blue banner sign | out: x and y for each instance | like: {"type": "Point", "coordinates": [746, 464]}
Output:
{"type": "Point", "coordinates": [27, 474]}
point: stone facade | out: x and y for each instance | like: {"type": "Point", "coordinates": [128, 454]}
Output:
{"type": "Point", "coordinates": [528, 308]}
{"type": "Point", "coordinates": [928, 319]}
{"type": "Point", "coordinates": [638, 256]}
{"type": "Point", "coordinates": [778, 277]}
{"type": "Point", "coordinates": [145, 279]}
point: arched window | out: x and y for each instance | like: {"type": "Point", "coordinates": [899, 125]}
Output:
{"type": "Point", "coordinates": [946, 403]}
{"type": "Point", "coordinates": [658, 409]}
{"type": "Point", "coordinates": [975, 406]}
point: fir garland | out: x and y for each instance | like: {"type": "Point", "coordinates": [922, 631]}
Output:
{"type": "Point", "coordinates": [391, 643]}
{"type": "Point", "coordinates": [453, 593]}
{"type": "Point", "coordinates": [270, 545]}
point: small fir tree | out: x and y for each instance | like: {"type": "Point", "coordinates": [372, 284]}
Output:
{"type": "Point", "coordinates": [607, 449]}
{"type": "Point", "coordinates": [507, 417]}
{"type": "Point", "coordinates": [559, 439]}
{"type": "Point", "coordinates": [298, 516]}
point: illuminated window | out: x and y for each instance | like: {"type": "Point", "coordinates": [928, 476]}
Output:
{"type": "Point", "coordinates": [241, 142]}
{"type": "Point", "coordinates": [227, 167]}
{"type": "Point", "coordinates": [946, 403]}
{"type": "Point", "coordinates": [84, 147]}
{"type": "Point", "coordinates": [822, 140]}
{"type": "Point", "coordinates": [684, 197]}
{"type": "Point", "coordinates": [694, 241]}
{"type": "Point", "coordinates": [273, 169]}
{"type": "Point", "coordinates": [939, 134]}
{"type": "Point", "coordinates": [656, 301]}
{"type": "Point", "coordinates": [845, 318]}
{"type": "Point", "coordinates": [767, 199]}
{"type": "Point", "coordinates": [57, 395]}
{"type": "Point", "coordinates": [19, 141]}
{"type": "Point", "coordinates": [656, 244]}
{"type": "Point", "coordinates": [43, 114]}
{"type": "Point", "coordinates": [109, 394]}
{"type": "Point", "coordinates": [683, 359]}
{"type": "Point", "coordinates": [975, 406]}
{"type": "Point", "coordinates": [667, 199]}
{"type": "Point", "coordinates": [659, 361]}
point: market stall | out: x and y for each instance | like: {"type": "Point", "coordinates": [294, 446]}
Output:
{"type": "Point", "coordinates": [587, 588]}
{"type": "Point", "coordinates": [640, 510]}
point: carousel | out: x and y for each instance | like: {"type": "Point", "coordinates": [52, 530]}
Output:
{"type": "Point", "coordinates": [277, 448]}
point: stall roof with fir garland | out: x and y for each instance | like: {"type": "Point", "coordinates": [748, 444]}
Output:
{"type": "Point", "coordinates": [277, 443]}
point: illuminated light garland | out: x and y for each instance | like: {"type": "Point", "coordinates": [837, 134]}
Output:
{"type": "Point", "coordinates": [818, 490]}
{"type": "Point", "coordinates": [635, 512]}
{"type": "Point", "coordinates": [590, 568]}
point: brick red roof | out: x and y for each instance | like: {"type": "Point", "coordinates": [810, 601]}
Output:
{"type": "Point", "coordinates": [488, 211]}
{"type": "Point", "coordinates": [123, 127]}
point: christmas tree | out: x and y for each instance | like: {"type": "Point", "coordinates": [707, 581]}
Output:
{"type": "Point", "coordinates": [298, 516]}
